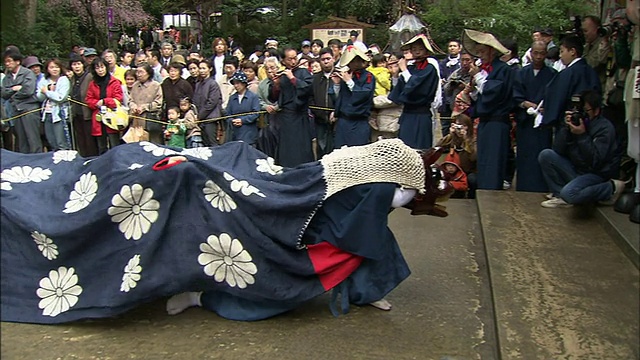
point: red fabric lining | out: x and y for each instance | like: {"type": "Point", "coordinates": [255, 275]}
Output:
{"type": "Point", "coordinates": [164, 164]}
{"type": "Point", "coordinates": [332, 264]}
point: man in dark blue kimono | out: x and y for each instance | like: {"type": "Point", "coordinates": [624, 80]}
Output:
{"type": "Point", "coordinates": [493, 90]}
{"type": "Point", "coordinates": [416, 90]}
{"type": "Point", "coordinates": [575, 79]}
{"type": "Point", "coordinates": [352, 89]}
{"type": "Point", "coordinates": [291, 90]}
{"type": "Point", "coordinates": [528, 91]}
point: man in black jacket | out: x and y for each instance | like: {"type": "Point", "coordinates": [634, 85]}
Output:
{"type": "Point", "coordinates": [585, 159]}
{"type": "Point", "coordinates": [323, 118]}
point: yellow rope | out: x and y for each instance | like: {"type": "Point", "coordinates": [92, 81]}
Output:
{"type": "Point", "coordinates": [21, 115]}
{"type": "Point", "coordinates": [199, 121]}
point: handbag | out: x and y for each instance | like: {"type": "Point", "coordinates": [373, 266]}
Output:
{"type": "Point", "coordinates": [116, 119]}
{"type": "Point", "coordinates": [135, 134]}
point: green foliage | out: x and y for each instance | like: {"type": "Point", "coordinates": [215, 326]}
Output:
{"type": "Point", "coordinates": [55, 31]}
{"type": "Point", "coordinates": [514, 19]}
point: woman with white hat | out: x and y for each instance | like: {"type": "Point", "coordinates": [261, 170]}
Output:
{"type": "Point", "coordinates": [492, 88]}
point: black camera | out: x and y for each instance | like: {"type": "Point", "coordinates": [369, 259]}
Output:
{"type": "Point", "coordinates": [577, 110]}
{"type": "Point", "coordinates": [610, 29]}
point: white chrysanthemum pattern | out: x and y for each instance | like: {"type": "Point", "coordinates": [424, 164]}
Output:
{"type": "Point", "coordinates": [217, 197]}
{"type": "Point", "coordinates": [59, 291]}
{"type": "Point", "coordinates": [226, 260]}
{"type": "Point", "coordinates": [64, 155]}
{"type": "Point", "coordinates": [268, 165]}
{"type": "Point", "coordinates": [5, 186]}
{"type": "Point", "coordinates": [25, 174]}
{"type": "Point", "coordinates": [135, 210]}
{"type": "Point", "coordinates": [135, 166]}
{"type": "Point", "coordinates": [242, 186]}
{"type": "Point", "coordinates": [131, 274]}
{"type": "Point", "coordinates": [82, 194]}
{"type": "Point", "coordinates": [45, 245]}
{"type": "Point", "coordinates": [203, 153]}
{"type": "Point", "coordinates": [156, 150]}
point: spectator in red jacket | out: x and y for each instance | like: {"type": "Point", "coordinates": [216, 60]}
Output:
{"type": "Point", "coordinates": [102, 93]}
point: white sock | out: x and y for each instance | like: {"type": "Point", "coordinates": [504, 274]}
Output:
{"type": "Point", "coordinates": [179, 303]}
{"type": "Point", "coordinates": [381, 304]}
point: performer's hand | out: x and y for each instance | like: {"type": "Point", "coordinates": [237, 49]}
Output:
{"type": "Point", "coordinates": [16, 87]}
{"type": "Point", "coordinates": [289, 74]}
{"type": "Point", "coordinates": [271, 109]}
{"type": "Point", "coordinates": [332, 118]}
{"type": "Point", "coordinates": [236, 122]}
{"type": "Point", "coordinates": [336, 78]}
{"type": "Point", "coordinates": [402, 64]}
{"type": "Point", "coordinates": [346, 76]}
{"type": "Point", "coordinates": [473, 69]}
{"type": "Point", "coordinates": [100, 103]}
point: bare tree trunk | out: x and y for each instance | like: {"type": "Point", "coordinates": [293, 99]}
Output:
{"type": "Point", "coordinates": [30, 8]}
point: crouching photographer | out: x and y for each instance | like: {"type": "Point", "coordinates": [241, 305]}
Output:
{"type": "Point", "coordinates": [584, 160]}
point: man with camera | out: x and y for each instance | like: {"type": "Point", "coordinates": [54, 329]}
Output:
{"type": "Point", "coordinates": [584, 160]}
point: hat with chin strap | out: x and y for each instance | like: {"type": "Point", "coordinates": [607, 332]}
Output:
{"type": "Point", "coordinates": [350, 53]}
{"type": "Point", "coordinates": [472, 38]}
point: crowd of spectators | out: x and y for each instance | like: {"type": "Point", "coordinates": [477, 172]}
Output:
{"type": "Point", "coordinates": [497, 113]}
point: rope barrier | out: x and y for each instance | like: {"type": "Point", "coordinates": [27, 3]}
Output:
{"type": "Point", "coordinates": [197, 122]}
{"type": "Point", "coordinates": [21, 115]}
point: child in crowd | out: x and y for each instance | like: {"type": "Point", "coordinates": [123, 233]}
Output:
{"type": "Point", "coordinates": [383, 77]}
{"type": "Point", "coordinates": [460, 145]}
{"type": "Point", "coordinates": [189, 114]}
{"type": "Point", "coordinates": [458, 177]}
{"type": "Point", "coordinates": [176, 129]}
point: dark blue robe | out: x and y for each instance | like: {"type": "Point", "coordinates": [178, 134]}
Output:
{"type": "Point", "coordinates": [294, 140]}
{"type": "Point", "coordinates": [530, 140]}
{"type": "Point", "coordinates": [573, 80]}
{"type": "Point", "coordinates": [114, 232]}
{"type": "Point", "coordinates": [416, 126]}
{"type": "Point", "coordinates": [493, 107]}
{"type": "Point", "coordinates": [353, 108]}
{"type": "Point", "coordinates": [339, 222]}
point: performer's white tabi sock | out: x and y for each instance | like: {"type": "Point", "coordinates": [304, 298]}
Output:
{"type": "Point", "coordinates": [381, 304]}
{"type": "Point", "coordinates": [179, 303]}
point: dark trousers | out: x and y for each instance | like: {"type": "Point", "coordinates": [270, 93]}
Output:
{"type": "Point", "coordinates": [85, 142]}
{"type": "Point", "coordinates": [28, 133]}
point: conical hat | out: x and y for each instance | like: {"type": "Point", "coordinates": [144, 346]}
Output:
{"type": "Point", "coordinates": [350, 53]}
{"type": "Point", "coordinates": [471, 38]}
{"type": "Point", "coordinates": [417, 38]}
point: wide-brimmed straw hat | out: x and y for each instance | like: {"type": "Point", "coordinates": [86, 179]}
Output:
{"type": "Point", "coordinates": [419, 38]}
{"type": "Point", "coordinates": [471, 39]}
{"type": "Point", "coordinates": [350, 53]}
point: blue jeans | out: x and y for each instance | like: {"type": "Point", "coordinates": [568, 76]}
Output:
{"type": "Point", "coordinates": [574, 188]}
{"type": "Point", "coordinates": [55, 133]}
